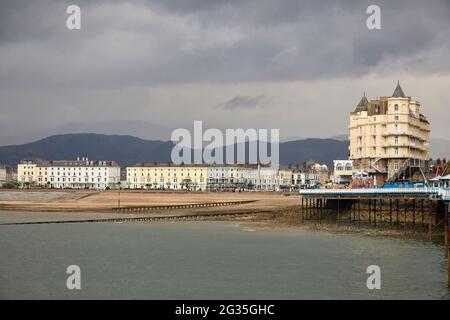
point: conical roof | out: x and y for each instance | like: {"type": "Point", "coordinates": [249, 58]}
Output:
{"type": "Point", "coordinates": [364, 101]}
{"type": "Point", "coordinates": [398, 92]}
{"type": "Point", "coordinates": [362, 105]}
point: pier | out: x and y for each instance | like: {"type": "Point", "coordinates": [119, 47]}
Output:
{"type": "Point", "coordinates": [401, 207]}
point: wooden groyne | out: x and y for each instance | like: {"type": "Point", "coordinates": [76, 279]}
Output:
{"type": "Point", "coordinates": [187, 217]}
{"type": "Point", "coordinates": [137, 209]}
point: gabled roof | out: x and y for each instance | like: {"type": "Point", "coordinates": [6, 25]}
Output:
{"type": "Point", "coordinates": [398, 92]}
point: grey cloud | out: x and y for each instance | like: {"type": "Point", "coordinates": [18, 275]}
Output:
{"type": "Point", "coordinates": [246, 102]}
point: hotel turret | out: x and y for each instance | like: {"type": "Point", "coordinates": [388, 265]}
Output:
{"type": "Point", "coordinates": [389, 138]}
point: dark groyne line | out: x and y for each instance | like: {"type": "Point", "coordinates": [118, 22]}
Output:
{"type": "Point", "coordinates": [133, 209]}
{"type": "Point", "coordinates": [192, 217]}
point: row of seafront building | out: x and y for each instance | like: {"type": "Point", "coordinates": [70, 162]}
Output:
{"type": "Point", "coordinates": [106, 174]}
{"type": "Point", "coordinates": [98, 174]}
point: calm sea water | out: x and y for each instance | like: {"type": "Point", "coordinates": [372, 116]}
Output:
{"type": "Point", "coordinates": [212, 260]}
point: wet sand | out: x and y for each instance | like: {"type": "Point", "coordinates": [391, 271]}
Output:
{"type": "Point", "coordinates": [105, 201]}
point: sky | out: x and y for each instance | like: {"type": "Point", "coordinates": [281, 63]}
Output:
{"type": "Point", "coordinates": [298, 66]}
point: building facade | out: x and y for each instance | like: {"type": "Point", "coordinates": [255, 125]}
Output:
{"type": "Point", "coordinates": [222, 177]}
{"type": "Point", "coordinates": [201, 177]}
{"type": "Point", "coordinates": [6, 175]}
{"type": "Point", "coordinates": [75, 174]}
{"type": "Point", "coordinates": [389, 137]}
{"type": "Point", "coordinates": [167, 176]}
{"type": "Point", "coordinates": [343, 171]}
{"type": "Point", "coordinates": [269, 179]}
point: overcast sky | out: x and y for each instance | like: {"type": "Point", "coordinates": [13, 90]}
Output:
{"type": "Point", "coordinates": [300, 66]}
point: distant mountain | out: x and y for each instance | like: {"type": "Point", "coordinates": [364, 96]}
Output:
{"type": "Point", "coordinates": [135, 128]}
{"type": "Point", "coordinates": [128, 150]}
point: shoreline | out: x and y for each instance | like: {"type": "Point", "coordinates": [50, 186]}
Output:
{"type": "Point", "coordinates": [284, 219]}
{"type": "Point", "coordinates": [260, 210]}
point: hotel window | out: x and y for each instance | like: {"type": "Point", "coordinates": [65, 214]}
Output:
{"type": "Point", "coordinates": [396, 118]}
{"type": "Point", "coordinates": [396, 166]}
{"type": "Point", "coordinates": [396, 150]}
{"type": "Point", "coordinates": [396, 139]}
{"type": "Point", "coordinates": [396, 127]}
{"type": "Point", "coordinates": [396, 107]}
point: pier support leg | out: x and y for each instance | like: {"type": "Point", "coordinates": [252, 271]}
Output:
{"type": "Point", "coordinates": [414, 212]}
{"type": "Point", "coordinates": [381, 213]}
{"type": "Point", "coordinates": [398, 221]}
{"type": "Point", "coordinates": [390, 211]}
{"type": "Point", "coordinates": [316, 209]}
{"type": "Point", "coordinates": [406, 213]}
{"type": "Point", "coordinates": [430, 214]}
{"type": "Point", "coordinates": [320, 211]}
{"type": "Point", "coordinates": [359, 213]}
{"type": "Point", "coordinates": [352, 220]}
{"type": "Point", "coordinates": [339, 211]}
{"type": "Point", "coordinates": [370, 204]}
{"type": "Point", "coordinates": [422, 214]}
{"type": "Point", "coordinates": [302, 211]}
{"type": "Point", "coordinates": [307, 209]}
{"type": "Point", "coordinates": [375, 212]}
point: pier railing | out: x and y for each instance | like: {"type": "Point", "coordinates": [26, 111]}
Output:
{"type": "Point", "coordinates": [379, 192]}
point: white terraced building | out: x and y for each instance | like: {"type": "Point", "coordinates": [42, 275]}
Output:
{"type": "Point", "coordinates": [77, 174]}
{"type": "Point", "coordinates": [269, 179]}
{"type": "Point", "coordinates": [226, 176]}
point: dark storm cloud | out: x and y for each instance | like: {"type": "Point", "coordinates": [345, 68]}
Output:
{"type": "Point", "coordinates": [158, 42]}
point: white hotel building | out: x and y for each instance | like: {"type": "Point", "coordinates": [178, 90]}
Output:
{"type": "Point", "coordinates": [226, 176]}
{"type": "Point", "coordinates": [77, 174]}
